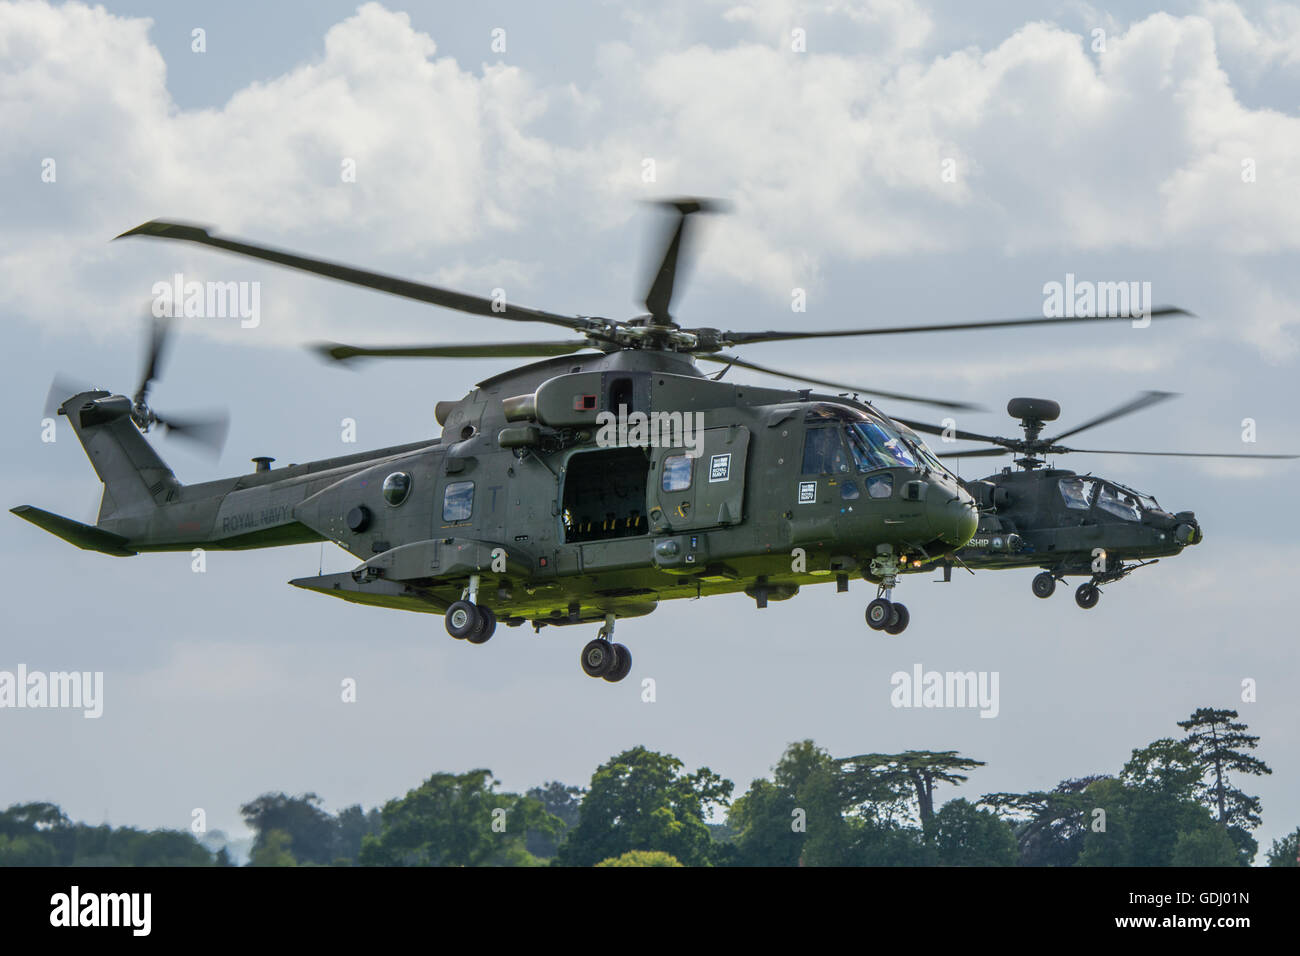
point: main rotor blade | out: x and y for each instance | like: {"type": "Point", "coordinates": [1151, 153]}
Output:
{"type": "Point", "coordinates": [1143, 400]}
{"type": "Point", "coordinates": [973, 452]}
{"type": "Point", "coordinates": [735, 360]}
{"type": "Point", "coordinates": [1170, 454]}
{"type": "Point", "coordinates": [343, 353]}
{"type": "Point", "coordinates": [948, 433]}
{"type": "Point", "coordinates": [747, 338]}
{"type": "Point", "coordinates": [659, 298]}
{"type": "Point", "coordinates": [162, 229]}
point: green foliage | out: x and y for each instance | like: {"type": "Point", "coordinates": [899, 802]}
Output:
{"type": "Point", "coordinates": [641, 858]}
{"type": "Point", "coordinates": [561, 802]}
{"type": "Point", "coordinates": [794, 817]}
{"type": "Point", "coordinates": [273, 850]}
{"type": "Point", "coordinates": [457, 820]}
{"type": "Point", "coordinates": [1206, 846]}
{"type": "Point", "coordinates": [641, 800]}
{"type": "Point", "coordinates": [1285, 851]}
{"type": "Point", "coordinates": [311, 831]}
{"type": "Point", "coordinates": [39, 834]}
{"type": "Point", "coordinates": [965, 835]}
{"type": "Point", "coordinates": [882, 781]}
{"type": "Point", "coordinates": [1152, 810]}
{"type": "Point", "coordinates": [1218, 744]}
{"type": "Point", "coordinates": [1049, 826]}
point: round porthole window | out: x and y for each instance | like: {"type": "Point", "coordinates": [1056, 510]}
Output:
{"type": "Point", "coordinates": [396, 487]}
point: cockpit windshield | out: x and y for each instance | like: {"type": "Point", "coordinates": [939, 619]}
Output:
{"type": "Point", "coordinates": [874, 446]}
{"type": "Point", "coordinates": [1077, 492]}
{"type": "Point", "coordinates": [1119, 503]}
{"type": "Point", "coordinates": [872, 442]}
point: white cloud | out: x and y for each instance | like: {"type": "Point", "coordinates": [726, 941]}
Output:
{"type": "Point", "coordinates": [825, 155]}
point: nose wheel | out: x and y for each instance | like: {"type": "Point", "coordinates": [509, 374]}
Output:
{"type": "Point", "coordinates": [602, 658]}
{"type": "Point", "coordinates": [884, 614]}
{"type": "Point", "coordinates": [888, 616]}
{"type": "Point", "coordinates": [1044, 584]}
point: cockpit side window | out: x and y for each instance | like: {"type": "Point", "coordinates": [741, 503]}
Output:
{"type": "Point", "coordinates": [823, 452]}
{"type": "Point", "coordinates": [1077, 492]}
{"type": "Point", "coordinates": [1118, 503]}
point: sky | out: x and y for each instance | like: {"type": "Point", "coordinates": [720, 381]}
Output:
{"type": "Point", "coordinates": [899, 162]}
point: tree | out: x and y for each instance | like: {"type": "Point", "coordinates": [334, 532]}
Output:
{"type": "Point", "coordinates": [352, 825]}
{"type": "Point", "coordinates": [879, 778]}
{"type": "Point", "coordinates": [311, 831]}
{"type": "Point", "coordinates": [273, 850]}
{"type": "Point", "coordinates": [641, 800]}
{"type": "Point", "coordinates": [965, 835]}
{"type": "Point", "coordinates": [1219, 745]}
{"type": "Point", "coordinates": [1286, 850]}
{"type": "Point", "coordinates": [1205, 846]}
{"type": "Point", "coordinates": [641, 858]}
{"type": "Point", "coordinates": [457, 820]}
{"type": "Point", "coordinates": [1049, 826]}
{"type": "Point", "coordinates": [795, 817]}
{"type": "Point", "coordinates": [561, 802]}
{"type": "Point", "coordinates": [1152, 815]}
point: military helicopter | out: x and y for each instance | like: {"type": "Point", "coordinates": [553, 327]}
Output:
{"type": "Point", "coordinates": [1063, 522]}
{"type": "Point", "coordinates": [585, 487]}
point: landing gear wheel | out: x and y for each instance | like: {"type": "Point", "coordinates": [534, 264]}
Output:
{"type": "Point", "coordinates": [488, 627]}
{"type": "Point", "coordinates": [1044, 585]}
{"type": "Point", "coordinates": [898, 623]}
{"type": "Point", "coordinates": [463, 620]}
{"type": "Point", "coordinates": [880, 614]}
{"type": "Point", "coordinates": [599, 658]}
{"type": "Point", "coordinates": [1087, 596]}
{"type": "Point", "coordinates": [622, 664]}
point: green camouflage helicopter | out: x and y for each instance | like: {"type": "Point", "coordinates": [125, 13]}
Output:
{"type": "Point", "coordinates": [585, 487]}
{"type": "Point", "coordinates": [1066, 523]}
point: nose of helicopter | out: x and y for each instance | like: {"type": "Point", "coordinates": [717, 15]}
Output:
{"type": "Point", "coordinates": [952, 513]}
{"type": "Point", "coordinates": [1188, 529]}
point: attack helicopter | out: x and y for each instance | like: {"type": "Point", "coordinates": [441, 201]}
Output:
{"type": "Point", "coordinates": [1063, 522]}
{"type": "Point", "coordinates": [548, 498]}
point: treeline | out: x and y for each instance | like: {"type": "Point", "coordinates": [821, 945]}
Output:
{"type": "Point", "coordinates": [1175, 802]}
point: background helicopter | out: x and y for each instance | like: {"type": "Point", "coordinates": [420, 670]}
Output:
{"type": "Point", "coordinates": [518, 512]}
{"type": "Point", "coordinates": [1063, 522]}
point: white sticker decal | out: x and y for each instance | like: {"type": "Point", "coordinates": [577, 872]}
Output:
{"type": "Point", "coordinates": [720, 467]}
{"type": "Point", "coordinates": [807, 492]}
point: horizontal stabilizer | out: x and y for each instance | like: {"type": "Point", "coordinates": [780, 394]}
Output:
{"type": "Point", "coordinates": [376, 591]}
{"type": "Point", "coordinates": [84, 536]}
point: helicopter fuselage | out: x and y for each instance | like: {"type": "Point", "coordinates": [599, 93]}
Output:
{"type": "Point", "coordinates": [544, 497]}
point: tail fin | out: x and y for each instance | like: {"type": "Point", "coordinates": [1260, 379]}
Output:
{"type": "Point", "coordinates": [136, 480]}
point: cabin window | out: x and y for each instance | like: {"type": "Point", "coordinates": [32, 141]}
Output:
{"type": "Point", "coordinates": [458, 501]}
{"type": "Point", "coordinates": [849, 491]}
{"type": "Point", "coordinates": [396, 487]}
{"type": "Point", "coordinates": [676, 473]}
